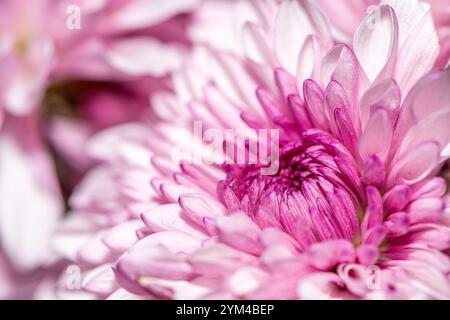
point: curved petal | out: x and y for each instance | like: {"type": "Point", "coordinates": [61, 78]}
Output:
{"type": "Point", "coordinates": [416, 164]}
{"type": "Point", "coordinates": [418, 53]}
{"type": "Point", "coordinates": [340, 65]}
{"type": "Point", "coordinates": [294, 22]}
{"type": "Point", "coordinates": [376, 139]}
{"type": "Point", "coordinates": [384, 94]}
{"type": "Point", "coordinates": [435, 127]}
{"type": "Point", "coordinates": [256, 44]}
{"type": "Point", "coordinates": [429, 95]}
{"type": "Point", "coordinates": [309, 59]}
{"type": "Point", "coordinates": [169, 217]}
{"type": "Point", "coordinates": [321, 286]}
{"type": "Point", "coordinates": [374, 52]}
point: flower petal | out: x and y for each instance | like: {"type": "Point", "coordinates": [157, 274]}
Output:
{"type": "Point", "coordinates": [375, 42]}
{"type": "Point", "coordinates": [294, 22]}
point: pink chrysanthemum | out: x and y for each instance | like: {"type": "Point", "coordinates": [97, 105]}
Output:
{"type": "Point", "coordinates": [355, 209]}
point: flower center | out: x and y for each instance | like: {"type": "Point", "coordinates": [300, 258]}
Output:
{"type": "Point", "coordinates": [312, 197]}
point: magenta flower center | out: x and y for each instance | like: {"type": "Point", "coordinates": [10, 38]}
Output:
{"type": "Point", "coordinates": [309, 198]}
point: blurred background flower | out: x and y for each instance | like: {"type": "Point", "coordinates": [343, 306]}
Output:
{"type": "Point", "coordinates": [62, 81]}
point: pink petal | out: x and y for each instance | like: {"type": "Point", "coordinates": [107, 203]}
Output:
{"type": "Point", "coordinates": [367, 254]}
{"type": "Point", "coordinates": [321, 286]}
{"type": "Point", "coordinates": [122, 236]}
{"type": "Point", "coordinates": [270, 104]}
{"type": "Point", "coordinates": [175, 289]}
{"type": "Point", "coordinates": [94, 251]}
{"type": "Point", "coordinates": [373, 172]}
{"type": "Point", "coordinates": [385, 94]}
{"type": "Point", "coordinates": [376, 139]}
{"type": "Point", "coordinates": [122, 294]}
{"type": "Point", "coordinates": [256, 44]}
{"type": "Point", "coordinates": [397, 198]}
{"type": "Point", "coordinates": [294, 22]}
{"type": "Point", "coordinates": [104, 144]}
{"type": "Point", "coordinates": [198, 207]}
{"type": "Point", "coordinates": [100, 280]}
{"type": "Point", "coordinates": [428, 96]}
{"type": "Point", "coordinates": [375, 235]}
{"type": "Point", "coordinates": [147, 260]}
{"type": "Point", "coordinates": [426, 210]}
{"type": "Point", "coordinates": [72, 234]}
{"type": "Point", "coordinates": [346, 130]}
{"type": "Point", "coordinates": [418, 43]}
{"type": "Point", "coordinates": [374, 212]}
{"type": "Point", "coordinates": [375, 42]}
{"type": "Point", "coordinates": [341, 65]}
{"type": "Point", "coordinates": [327, 254]}
{"type": "Point", "coordinates": [161, 254]}
{"type": "Point", "coordinates": [416, 164]}
{"type": "Point", "coordinates": [310, 59]}
{"type": "Point", "coordinates": [434, 127]}
{"type": "Point", "coordinates": [335, 98]}
{"type": "Point", "coordinates": [301, 115]}
{"type": "Point", "coordinates": [216, 101]}
{"type": "Point", "coordinates": [239, 231]}
{"type": "Point", "coordinates": [246, 280]}
{"type": "Point", "coordinates": [218, 260]}
{"type": "Point", "coordinates": [355, 278]}
{"type": "Point", "coordinates": [173, 191]}
{"type": "Point", "coordinates": [169, 217]}
{"type": "Point", "coordinates": [286, 83]}
{"type": "Point", "coordinates": [397, 224]}
{"type": "Point", "coordinates": [431, 235]}
{"type": "Point", "coordinates": [314, 103]}
{"type": "Point", "coordinates": [432, 187]}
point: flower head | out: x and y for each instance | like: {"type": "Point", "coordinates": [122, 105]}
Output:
{"type": "Point", "coordinates": [354, 209]}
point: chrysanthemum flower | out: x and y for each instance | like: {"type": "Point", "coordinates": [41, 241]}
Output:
{"type": "Point", "coordinates": [355, 209]}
